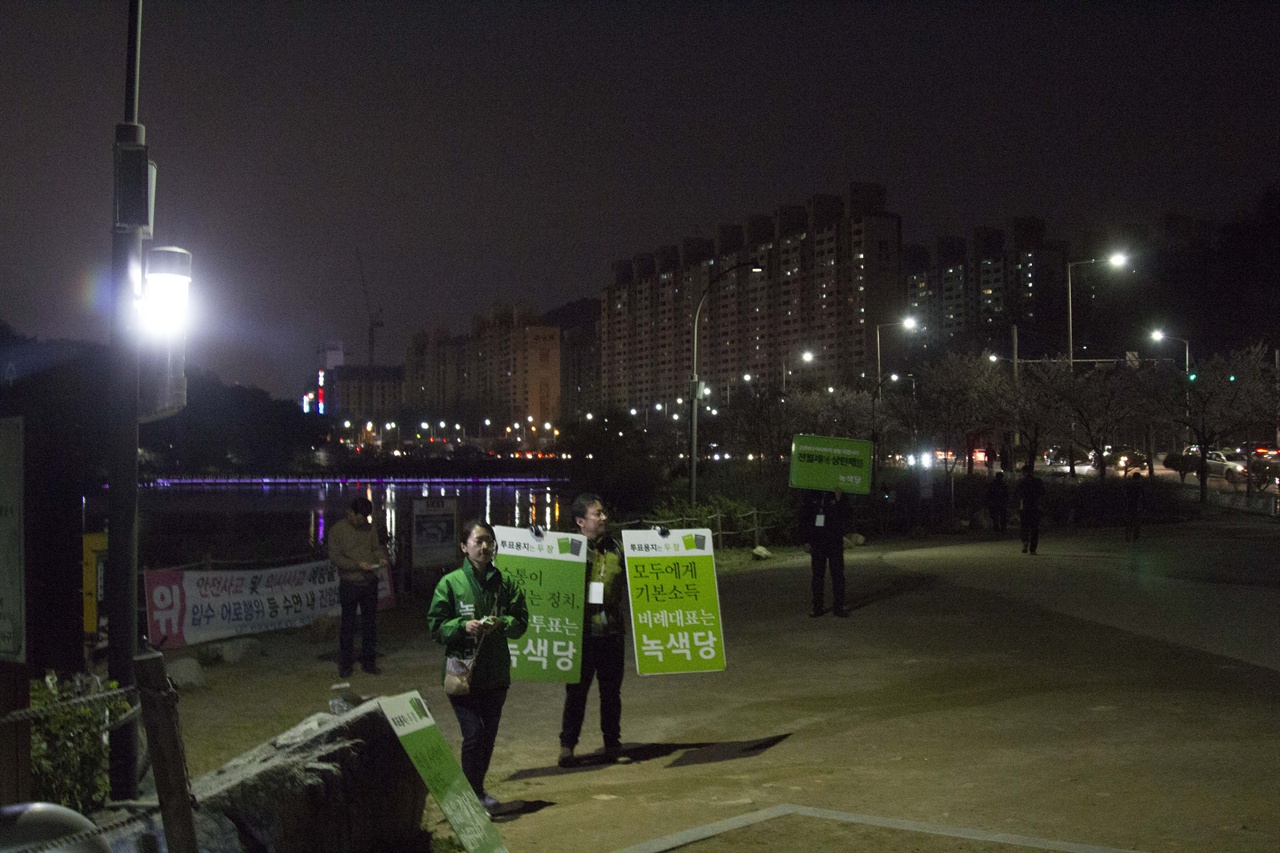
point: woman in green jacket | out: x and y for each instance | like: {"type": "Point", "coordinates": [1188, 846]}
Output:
{"type": "Point", "coordinates": [477, 606]}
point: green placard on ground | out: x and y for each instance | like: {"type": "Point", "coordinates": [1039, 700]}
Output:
{"type": "Point", "coordinates": [824, 462]}
{"type": "Point", "coordinates": [675, 603]}
{"type": "Point", "coordinates": [552, 570]}
{"type": "Point", "coordinates": [426, 748]}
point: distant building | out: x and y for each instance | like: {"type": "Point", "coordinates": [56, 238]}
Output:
{"type": "Point", "coordinates": [506, 370]}
{"type": "Point", "coordinates": [363, 392]}
{"type": "Point", "coordinates": [830, 271]}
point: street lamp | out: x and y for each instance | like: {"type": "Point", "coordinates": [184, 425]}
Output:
{"type": "Point", "coordinates": [908, 323]}
{"type": "Point", "coordinates": [1116, 260]}
{"type": "Point", "coordinates": [693, 419]}
{"type": "Point", "coordinates": [1158, 335]}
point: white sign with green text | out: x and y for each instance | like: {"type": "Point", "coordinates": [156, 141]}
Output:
{"type": "Point", "coordinates": [675, 604]}
{"type": "Point", "coordinates": [426, 748]}
{"type": "Point", "coordinates": [551, 568]}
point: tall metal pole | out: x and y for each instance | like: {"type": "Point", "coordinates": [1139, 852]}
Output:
{"type": "Point", "coordinates": [121, 575]}
{"type": "Point", "coordinates": [697, 396]}
{"type": "Point", "coordinates": [1071, 342]}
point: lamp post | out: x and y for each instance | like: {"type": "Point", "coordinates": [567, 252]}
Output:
{"type": "Point", "coordinates": [1117, 260]}
{"type": "Point", "coordinates": [697, 396]}
{"type": "Point", "coordinates": [908, 323]}
{"type": "Point", "coordinates": [1158, 336]}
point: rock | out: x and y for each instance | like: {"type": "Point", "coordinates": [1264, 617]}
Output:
{"type": "Point", "coordinates": [185, 673]}
{"type": "Point", "coordinates": [323, 629]}
{"type": "Point", "coordinates": [234, 651]}
{"type": "Point", "coordinates": [760, 553]}
{"type": "Point", "coordinates": [329, 784]}
{"type": "Point", "coordinates": [209, 654]}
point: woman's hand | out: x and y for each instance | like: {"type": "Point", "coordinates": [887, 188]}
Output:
{"type": "Point", "coordinates": [479, 627]}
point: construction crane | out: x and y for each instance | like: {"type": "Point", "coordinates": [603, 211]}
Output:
{"type": "Point", "coordinates": [375, 317]}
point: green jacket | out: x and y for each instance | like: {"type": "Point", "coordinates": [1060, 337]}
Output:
{"type": "Point", "coordinates": [605, 564]}
{"type": "Point", "coordinates": [461, 597]}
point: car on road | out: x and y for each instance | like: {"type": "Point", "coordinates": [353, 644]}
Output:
{"type": "Point", "coordinates": [1122, 460]}
{"type": "Point", "coordinates": [1231, 465]}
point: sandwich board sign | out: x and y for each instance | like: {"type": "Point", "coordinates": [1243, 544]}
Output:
{"type": "Point", "coordinates": [430, 754]}
{"type": "Point", "coordinates": [675, 603]}
{"type": "Point", "coordinates": [551, 568]}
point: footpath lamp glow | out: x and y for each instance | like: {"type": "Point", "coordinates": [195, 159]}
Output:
{"type": "Point", "coordinates": [697, 396]}
{"type": "Point", "coordinates": [908, 323]}
{"type": "Point", "coordinates": [1116, 260]}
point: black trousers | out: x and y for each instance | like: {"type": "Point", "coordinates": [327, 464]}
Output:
{"type": "Point", "coordinates": [479, 714]}
{"type": "Point", "coordinates": [362, 597]}
{"type": "Point", "coordinates": [1031, 530]}
{"type": "Point", "coordinates": [822, 558]}
{"type": "Point", "coordinates": [603, 660]}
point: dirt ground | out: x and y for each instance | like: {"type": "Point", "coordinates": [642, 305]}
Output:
{"type": "Point", "coordinates": [966, 716]}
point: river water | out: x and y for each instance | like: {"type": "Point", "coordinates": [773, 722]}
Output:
{"type": "Point", "coordinates": [180, 522]}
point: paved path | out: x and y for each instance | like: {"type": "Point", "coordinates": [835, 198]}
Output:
{"type": "Point", "coordinates": [1098, 696]}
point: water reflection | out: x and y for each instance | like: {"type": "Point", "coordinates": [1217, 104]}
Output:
{"type": "Point", "coordinates": [255, 520]}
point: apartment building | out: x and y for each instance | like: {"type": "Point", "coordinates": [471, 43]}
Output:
{"type": "Point", "coordinates": [813, 278]}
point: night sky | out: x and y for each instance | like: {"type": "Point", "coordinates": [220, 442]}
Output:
{"type": "Point", "coordinates": [511, 151]}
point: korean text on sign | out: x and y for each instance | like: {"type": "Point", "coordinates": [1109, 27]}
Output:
{"type": "Point", "coordinates": [675, 603]}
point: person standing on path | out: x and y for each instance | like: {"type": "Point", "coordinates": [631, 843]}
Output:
{"type": "Point", "coordinates": [998, 503]}
{"type": "Point", "coordinates": [358, 555]}
{"type": "Point", "coordinates": [1030, 493]}
{"type": "Point", "coordinates": [825, 520]}
{"type": "Point", "coordinates": [603, 643]}
{"type": "Point", "coordinates": [474, 611]}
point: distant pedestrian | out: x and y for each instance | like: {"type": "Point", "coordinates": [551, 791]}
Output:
{"type": "Point", "coordinates": [1030, 493]}
{"type": "Point", "coordinates": [825, 520]}
{"type": "Point", "coordinates": [1133, 500]}
{"type": "Point", "coordinates": [998, 503]}
{"type": "Point", "coordinates": [358, 555]}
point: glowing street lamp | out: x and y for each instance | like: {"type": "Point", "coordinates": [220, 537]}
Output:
{"type": "Point", "coordinates": [1116, 260]}
{"type": "Point", "coordinates": [1158, 335]}
{"type": "Point", "coordinates": [908, 323]}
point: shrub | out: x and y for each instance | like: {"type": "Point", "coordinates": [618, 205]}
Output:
{"type": "Point", "coordinates": [69, 742]}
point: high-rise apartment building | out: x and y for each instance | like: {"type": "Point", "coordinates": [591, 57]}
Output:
{"type": "Point", "coordinates": [506, 369]}
{"type": "Point", "coordinates": [828, 272]}
{"type": "Point", "coordinates": [976, 290]}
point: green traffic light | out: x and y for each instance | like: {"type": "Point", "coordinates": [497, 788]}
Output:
{"type": "Point", "coordinates": [1192, 377]}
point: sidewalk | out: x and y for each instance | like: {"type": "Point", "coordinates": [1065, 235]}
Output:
{"type": "Point", "coordinates": [976, 699]}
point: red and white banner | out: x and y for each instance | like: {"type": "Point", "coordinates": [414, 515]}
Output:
{"type": "Point", "coordinates": [189, 606]}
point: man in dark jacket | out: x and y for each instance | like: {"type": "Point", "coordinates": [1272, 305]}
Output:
{"type": "Point", "coordinates": [825, 520]}
{"type": "Point", "coordinates": [603, 635]}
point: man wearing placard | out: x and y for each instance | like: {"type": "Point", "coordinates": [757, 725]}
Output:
{"type": "Point", "coordinates": [826, 519]}
{"type": "Point", "coordinates": [603, 647]}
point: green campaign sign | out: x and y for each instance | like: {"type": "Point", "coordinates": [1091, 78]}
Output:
{"type": "Point", "coordinates": [675, 604]}
{"type": "Point", "coordinates": [552, 569]}
{"type": "Point", "coordinates": [825, 463]}
{"type": "Point", "coordinates": [426, 748]}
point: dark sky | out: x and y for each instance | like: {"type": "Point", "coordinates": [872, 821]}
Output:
{"type": "Point", "coordinates": [485, 151]}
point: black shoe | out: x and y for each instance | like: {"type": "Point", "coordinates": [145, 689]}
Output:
{"type": "Point", "coordinates": [613, 752]}
{"type": "Point", "coordinates": [371, 668]}
{"type": "Point", "coordinates": [816, 612]}
{"type": "Point", "coordinates": [490, 803]}
{"type": "Point", "coordinates": [345, 671]}
{"type": "Point", "coordinates": [566, 757]}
